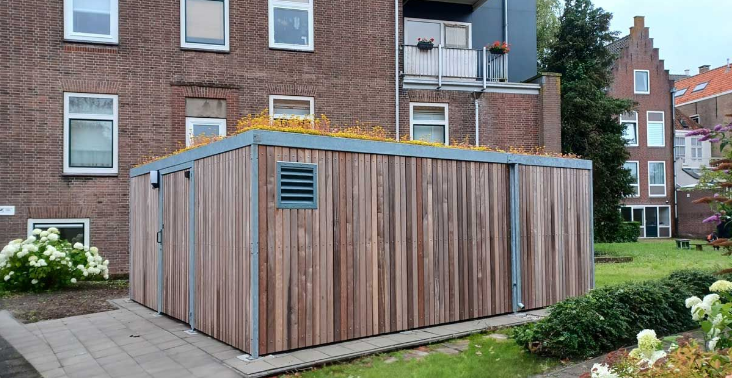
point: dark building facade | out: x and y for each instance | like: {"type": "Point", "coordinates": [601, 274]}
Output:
{"type": "Point", "coordinates": [91, 88]}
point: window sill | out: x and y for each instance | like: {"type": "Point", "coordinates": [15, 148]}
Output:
{"type": "Point", "coordinates": [91, 41]}
{"type": "Point", "coordinates": [293, 49]}
{"type": "Point", "coordinates": [206, 49]}
{"type": "Point", "coordinates": [80, 174]}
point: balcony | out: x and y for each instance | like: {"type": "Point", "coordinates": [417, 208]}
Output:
{"type": "Point", "coordinates": [453, 68]}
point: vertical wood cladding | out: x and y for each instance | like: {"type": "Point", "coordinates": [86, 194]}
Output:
{"type": "Point", "coordinates": [143, 243]}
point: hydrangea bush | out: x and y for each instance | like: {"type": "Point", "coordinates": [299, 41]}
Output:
{"type": "Point", "coordinates": [45, 261]}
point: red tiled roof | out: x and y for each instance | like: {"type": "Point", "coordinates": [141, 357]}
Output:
{"type": "Point", "coordinates": [684, 123]}
{"type": "Point", "coordinates": [719, 81]}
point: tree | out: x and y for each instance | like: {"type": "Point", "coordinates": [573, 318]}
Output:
{"type": "Point", "coordinates": [590, 127]}
{"type": "Point", "coordinates": [547, 26]}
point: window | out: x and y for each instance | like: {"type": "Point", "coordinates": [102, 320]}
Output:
{"type": "Point", "coordinates": [657, 179]}
{"type": "Point", "coordinates": [655, 128]}
{"type": "Point", "coordinates": [679, 147]}
{"type": "Point", "coordinates": [91, 21]}
{"type": "Point", "coordinates": [429, 122]}
{"type": "Point", "coordinates": [447, 33]}
{"type": "Point", "coordinates": [297, 185]}
{"type": "Point", "coordinates": [630, 124]}
{"type": "Point", "coordinates": [642, 83]}
{"type": "Point", "coordinates": [632, 166]}
{"type": "Point", "coordinates": [696, 118]}
{"type": "Point", "coordinates": [680, 92]}
{"type": "Point", "coordinates": [90, 134]}
{"type": "Point", "coordinates": [291, 24]}
{"type": "Point", "coordinates": [283, 107]}
{"type": "Point", "coordinates": [696, 148]}
{"type": "Point", "coordinates": [72, 230]}
{"type": "Point", "coordinates": [204, 24]}
{"type": "Point", "coordinates": [199, 128]}
{"type": "Point", "coordinates": [700, 87]}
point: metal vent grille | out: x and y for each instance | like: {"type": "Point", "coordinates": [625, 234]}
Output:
{"type": "Point", "coordinates": [297, 185]}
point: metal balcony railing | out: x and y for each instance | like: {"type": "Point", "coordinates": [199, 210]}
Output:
{"type": "Point", "coordinates": [454, 64]}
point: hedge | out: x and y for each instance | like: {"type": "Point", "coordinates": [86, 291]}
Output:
{"type": "Point", "coordinates": [610, 318]}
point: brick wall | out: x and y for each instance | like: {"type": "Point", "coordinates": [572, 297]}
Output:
{"type": "Point", "coordinates": [641, 55]}
{"type": "Point", "coordinates": [691, 215]}
{"type": "Point", "coordinates": [350, 79]}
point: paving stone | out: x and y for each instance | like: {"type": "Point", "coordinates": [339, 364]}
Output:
{"type": "Point", "coordinates": [414, 355]}
{"type": "Point", "coordinates": [461, 345]}
{"type": "Point", "coordinates": [335, 350]}
{"type": "Point", "coordinates": [310, 355]}
{"type": "Point", "coordinates": [391, 360]}
{"type": "Point", "coordinates": [283, 360]}
{"type": "Point", "coordinates": [250, 367]}
{"type": "Point", "coordinates": [446, 350]}
{"type": "Point", "coordinates": [53, 373]}
{"type": "Point", "coordinates": [497, 337]}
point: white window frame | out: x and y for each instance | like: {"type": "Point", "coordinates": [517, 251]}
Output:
{"type": "Point", "coordinates": [682, 136]}
{"type": "Point", "coordinates": [442, 29]}
{"type": "Point", "coordinates": [190, 121]}
{"type": "Point", "coordinates": [657, 185]}
{"type": "Point", "coordinates": [698, 147]}
{"type": "Point", "coordinates": [70, 35]}
{"type": "Point", "coordinates": [56, 222]}
{"type": "Point", "coordinates": [697, 120]}
{"type": "Point", "coordinates": [637, 137]}
{"type": "Point", "coordinates": [203, 46]}
{"type": "Point", "coordinates": [637, 172]}
{"type": "Point", "coordinates": [663, 129]}
{"type": "Point", "coordinates": [272, 99]}
{"type": "Point", "coordinates": [635, 84]}
{"type": "Point", "coordinates": [446, 122]}
{"type": "Point", "coordinates": [68, 170]}
{"type": "Point", "coordinates": [311, 21]}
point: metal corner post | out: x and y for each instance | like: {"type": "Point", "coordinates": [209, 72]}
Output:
{"type": "Point", "coordinates": [515, 235]}
{"type": "Point", "coordinates": [192, 249]}
{"type": "Point", "coordinates": [161, 227]}
{"type": "Point", "coordinates": [592, 229]}
{"type": "Point", "coordinates": [254, 262]}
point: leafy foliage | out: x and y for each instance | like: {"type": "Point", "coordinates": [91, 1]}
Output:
{"type": "Point", "coordinates": [589, 115]}
{"type": "Point", "coordinates": [628, 232]}
{"type": "Point", "coordinates": [609, 318]}
{"type": "Point", "coordinates": [547, 27]}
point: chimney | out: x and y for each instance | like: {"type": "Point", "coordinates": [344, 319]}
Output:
{"type": "Point", "coordinates": [704, 68]}
{"type": "Point", "coordinates": [687, 72]}
{"type": "Point", "coordinates": [638, 25]}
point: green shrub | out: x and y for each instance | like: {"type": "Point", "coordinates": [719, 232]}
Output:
{"type": "Point", "coordinates": [45, 261]}
{"type": "Point", "coordinates": [610, 317]}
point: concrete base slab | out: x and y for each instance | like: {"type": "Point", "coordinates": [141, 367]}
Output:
{"type": "Point", "coordinates": [135, 341]}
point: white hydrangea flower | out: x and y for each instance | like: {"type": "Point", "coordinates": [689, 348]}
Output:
{"type": "Point", "coordinates": [106, 276]}
{"type": "Point", "coordinates": [11, 273]}
{"type": "Point", "coordinates": [78, 245]}
{"type": "Point", "coordinates": [647, 340]}
{"type": "Point", "coordinates": [37, 231]}
{"type": "Point", "coordinates": [711, 299]}
{"type": "Point", "coordinates": [73, 280]}
{"type": "Point", "coordinates": [34, 281]}
{"type": "Point", "coordinates": [721, 286]}
{"type": "Point", "coordinates": [7, 277]}
{"type": "Point", "coordinates": [52, 257]}
{"type": "Point", "coordinates": [42, 262]}
{"type": "Point", "coordinates": [106, 262]}
{"type": "Point", "coordinates": [692, 301]}
{"type": "Point", "coordinates": [713, 343]}
{"type": "Point", "coordinates": [47, 253]}
{"type": "Point", "coordinates": [44, 234]}
{"type": "Point", "coordinates": [717, 320]}
{"type": "Point", "coordinates": [603, 371]}
{"type": "Point", "coordinates": [33, 258]}
{"type": "Point", "coordinates": [43, 239]}
{"type": "Point", "coordinates": [94, 250]}
{"type": "Point", "coordinates": [17, 241]}
{"type": "Point", "coordinates": [53, 237]}
{"type": "Point", "coordinates": [85, 273]}
{"type": "Point", "coordinates": [98, 259]}
{"type": "Point", "coordinates": [53, 230]}
{"type": "Point", "coordinates": [30, 240]}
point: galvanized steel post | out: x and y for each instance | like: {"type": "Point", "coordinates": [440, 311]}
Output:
{"type": "Point", "coordinates": [159, 236]}
{"type": "Point", "coordinates": [192, 249]}
{"type": "Point", "coordinates": [254, 261]}
{"type": "Point", "coordinates": [515, 236]}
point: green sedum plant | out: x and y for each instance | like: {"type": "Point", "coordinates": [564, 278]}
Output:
{"type": "Point", "coordinates": [45, 261]}
{"type": "Point", "coordinates": [608, 318]}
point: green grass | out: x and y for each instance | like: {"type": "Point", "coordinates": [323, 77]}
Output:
{"type": "Point", "coordinates": [484, 358]}
{"type": "Point", "coordinates": [653, 259]}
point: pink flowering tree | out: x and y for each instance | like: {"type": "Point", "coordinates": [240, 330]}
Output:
{"type": "Point", "coordinates": [718, 179]}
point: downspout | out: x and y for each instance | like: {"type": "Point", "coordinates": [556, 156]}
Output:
{"type": "Point", "coordinates": [673, 143]}
{"type": "Point", "coordinates": [396, 69]}
{"type": "Point", "coordinates": [505, 34]}
{"type": "Point", "coordinates": [476, 96]}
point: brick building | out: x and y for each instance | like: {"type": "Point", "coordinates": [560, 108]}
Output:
{"type": "Point", "coordinates": [91, 87]}
{"type": "Point", "coordinates": [707, 100]}
{"type": "Point", "coordinates": [640, 75]}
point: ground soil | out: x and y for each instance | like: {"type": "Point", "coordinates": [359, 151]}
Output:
{"type": "Point", "coordinates": [84, 298]}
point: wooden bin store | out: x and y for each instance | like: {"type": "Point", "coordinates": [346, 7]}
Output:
{"type": "Point", "coordinates": [273, 241]}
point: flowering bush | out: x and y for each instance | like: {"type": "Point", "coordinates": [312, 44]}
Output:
{"type": "Point", "coordinates": [714, 314]}
{"type": "Point", "coordinates": [426, 40]}
{"type": "Point", "coordinates": [45, 261]}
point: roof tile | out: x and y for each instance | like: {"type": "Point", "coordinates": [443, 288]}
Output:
{"type": "Point", "coordinates": [719, 81]}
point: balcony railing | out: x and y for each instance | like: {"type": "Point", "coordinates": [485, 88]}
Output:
{"type": "Point", "coordinates": [454, 65]}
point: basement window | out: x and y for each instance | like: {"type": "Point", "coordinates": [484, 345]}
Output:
{"type": "Point", "coordinates": [297, 185]}
{"type": "Point", "coordinates": [72, 230]}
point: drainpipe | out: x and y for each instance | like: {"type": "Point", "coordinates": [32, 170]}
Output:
{"type": "Point", "coordinates": [673, 143]}
{"type": "Point", "coordinates": [396, 69]}
{"type": "Point", "coordinates": [476, 96]}
{"type": "Point", "coordinates": [505, 34]}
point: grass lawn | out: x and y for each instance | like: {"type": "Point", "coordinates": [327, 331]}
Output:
{"type": "Point", "coordinates": [653, 259]}
{"type": "Point", "coordinates": [484, 358]}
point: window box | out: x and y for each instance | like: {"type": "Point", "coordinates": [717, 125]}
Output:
{"type": "Point", "coordinates": [93, 21]}
{"type": "Point", "coordinates": [90, 134]}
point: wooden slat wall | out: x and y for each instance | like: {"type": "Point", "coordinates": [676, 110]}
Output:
{"type": "Point", "coordinates": [396, 243]}
{"type": "Point", "coordinates": [555, 234]}
{"type": "Point", "coordinates": [176, 229]}
{"type": "Point", "coordinates": [222, 202]}
{"type": "Point", "coordinates": [143, 243]}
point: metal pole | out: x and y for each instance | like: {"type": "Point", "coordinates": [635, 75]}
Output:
{"type": "Point", "coordinates": [515, 236]}
{"type": "Point", "coordinates": [485, 71]}
{"type": "Point", "coordinates": [439, 66]}
{"type": "Point", "coordinates": [192, 249]}
{"type": "Point", "coordinates": [161, 228]}
{"type": "Point", "coordinates": [592, 228]}
{"type": "Point", "coordinates": [396, 54]}
{"type": "Point", "coordinates": [254, 263]}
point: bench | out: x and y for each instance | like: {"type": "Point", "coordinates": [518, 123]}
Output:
{"type": "Point", "coordinates": [700, 246]}
{"type": "Point", "coordinates": [683, 243]}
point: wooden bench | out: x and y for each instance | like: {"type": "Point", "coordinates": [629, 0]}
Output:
{"type": "Point", "coordinates": [683, 243]}
{"type": "Point", "coordinates": [700, 246]}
